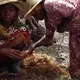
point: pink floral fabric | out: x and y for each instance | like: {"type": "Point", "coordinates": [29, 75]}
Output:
{"type": "Point", "coordinates": [74, 42]}
{"type": "Point", "coordinates": [58, 9]}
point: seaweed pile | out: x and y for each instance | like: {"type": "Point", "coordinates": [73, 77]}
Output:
{"type": "Point", "coordinates": [43, 67]}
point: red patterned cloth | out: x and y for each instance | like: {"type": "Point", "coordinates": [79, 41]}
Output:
{"type": "Point", "coordinates": [12, 33]}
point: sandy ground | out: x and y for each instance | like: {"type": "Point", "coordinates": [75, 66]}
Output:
{"type": "Point", "coordinates": [59, 50]}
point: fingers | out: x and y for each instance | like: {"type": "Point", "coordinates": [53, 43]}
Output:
{"type": "Point", "coordinates": [15, 54]}
{"type": "Point", "coordinates": [26, 53]}
{"type": "Point", "coordinates": [30, 21]}
{"type": "Point", "coordinates": [33, 27]}
{"type": "Point", "coordinates": [35, 22]}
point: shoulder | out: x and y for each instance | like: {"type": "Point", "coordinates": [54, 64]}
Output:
{"type": "Point", "coordinates": [64, 7]}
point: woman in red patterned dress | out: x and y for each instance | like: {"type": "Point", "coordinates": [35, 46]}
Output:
{"type": "Point", "coordinates": [12, 48]}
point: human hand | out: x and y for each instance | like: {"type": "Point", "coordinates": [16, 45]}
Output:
{"type": "Point", "coordinates": [32, 22]}
{"type": "Point", "coordinates": [27, 52]}
{"type": "Point", "coordinates": [11, 53]}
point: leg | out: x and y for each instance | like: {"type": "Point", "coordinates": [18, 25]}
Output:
{"type": "Point", "coordinates": [13, 66]}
